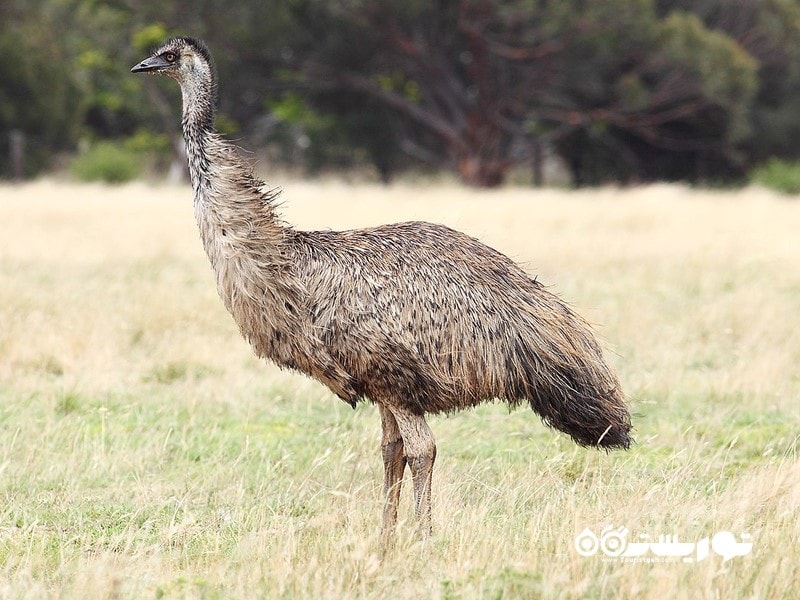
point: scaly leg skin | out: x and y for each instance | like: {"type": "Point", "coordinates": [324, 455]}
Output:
{"type": "Point", "coordinates": [394, 464]}
{"type": "Point", "coordinates": [420, 451]}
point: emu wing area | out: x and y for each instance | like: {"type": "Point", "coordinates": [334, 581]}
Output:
{"type": "Point", "coordinates": [428, 317]}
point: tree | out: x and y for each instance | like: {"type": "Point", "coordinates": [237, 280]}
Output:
{"type": "Point", "coordinates": [623, 90]}
{"type": "Point", "coordinates": [673, 105]}
{"type": "Point", "coordinates": [769, 31]}
{"type": "Point", "coordinates": [38, 97]}
{"type": "Point", "coordinates": [477, 86]}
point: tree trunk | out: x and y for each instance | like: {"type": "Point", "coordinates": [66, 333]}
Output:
{"type": "Point", "coordinates": [480, 171]}
{"type": "Point", "coordinates": [538, 164]}
{"type": "Point", "coordinates": [16, 143]}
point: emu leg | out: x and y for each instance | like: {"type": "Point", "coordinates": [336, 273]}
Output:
{"type": "Point", "coordinates": [394, 464]}
{"type": "Point", "coordinates": [420, 452]}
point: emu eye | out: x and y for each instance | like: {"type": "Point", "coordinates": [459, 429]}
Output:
{"type": "Point", "coordinates": [170, 57]}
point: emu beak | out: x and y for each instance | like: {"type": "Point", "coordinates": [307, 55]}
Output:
{"type": "Point", "coordinates": [153, 63]}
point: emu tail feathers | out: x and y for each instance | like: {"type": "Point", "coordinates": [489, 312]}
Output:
{"type": "Point", "coordinates": [562, 373]}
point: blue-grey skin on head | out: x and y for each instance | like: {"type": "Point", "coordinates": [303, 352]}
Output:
{"type": "Point", "coordinates": [173, 56]}
{"type": "Point", "coordinates": [187, 61]}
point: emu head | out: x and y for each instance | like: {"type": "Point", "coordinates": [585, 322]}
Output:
{"type": "Point", "coordinates": [184, 59]}
{"type": "Point", "coordinates": [187, 61]}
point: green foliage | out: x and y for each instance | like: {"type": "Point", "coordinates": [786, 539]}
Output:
{"type": "Point", "coordinates": [621, 89]}
{"type": "Point", "coordinates": [339, 137]}
{"type": "Point", "coordinates": [632, 92]}
{"type": "Point", "coordinates": [292, 108]}
{"type": "Point", "coordinates": [779, 175]}
{"type": "Point", "coordinates": [37, 97]}
{"type": "Point", "coordinates": [397, 82]}
{"type": "Point", "coordinates": [147, 142]}
{"type": "Point", "coordinates": [725, 71]}
{"type": "Point", "coordinates": [118, 161]}
{"type": "Point", "coordinates": [110, 162]}
{"type": "Point", "coordinates": [150, 36]}
{"type": "Point", "coordinates": [226, 125]}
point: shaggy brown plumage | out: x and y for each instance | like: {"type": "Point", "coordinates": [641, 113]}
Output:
{"type": "Point", "coordinates": [416, 317]}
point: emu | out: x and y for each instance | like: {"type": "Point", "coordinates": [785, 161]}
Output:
{"type": "Point", "coordinates": [416, 317]}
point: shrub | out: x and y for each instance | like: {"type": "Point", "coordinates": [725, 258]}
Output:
{"type": "Point", "coordinates": [779, 175]}
{"type": "Point", "coordinates": [111, 162]}
{"type": "Point", "coordinates": [148, 143]}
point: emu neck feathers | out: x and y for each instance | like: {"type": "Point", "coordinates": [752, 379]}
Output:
{"type": "Point", "coordinates": [252, 253]}
{"type": "Point", "coordinates": [230, 205]}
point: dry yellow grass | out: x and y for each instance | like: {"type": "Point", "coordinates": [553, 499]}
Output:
{"type": "Point", "coordinates": [144, 452]}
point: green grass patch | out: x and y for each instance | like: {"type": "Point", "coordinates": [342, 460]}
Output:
{"type": "Point", "coordinates": [144, 452]}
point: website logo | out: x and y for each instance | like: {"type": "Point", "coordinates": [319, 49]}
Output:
{"type": "Point", "coordinates": [613, 543]}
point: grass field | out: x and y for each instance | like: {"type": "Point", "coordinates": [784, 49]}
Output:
{"type": "Point", "coordinates": [145, 453]}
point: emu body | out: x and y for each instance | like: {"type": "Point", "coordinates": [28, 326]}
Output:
{"type": "Point", "coordinates": [416, 317]}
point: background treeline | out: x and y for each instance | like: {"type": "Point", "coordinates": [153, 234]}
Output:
{"type": "Point", "coordinates": [618, 90]}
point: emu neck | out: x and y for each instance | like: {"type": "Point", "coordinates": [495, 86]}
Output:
{"type": "Point", "coordinates": [198, 129]}
{"type": "Point", "coordinates": [234, 216]}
